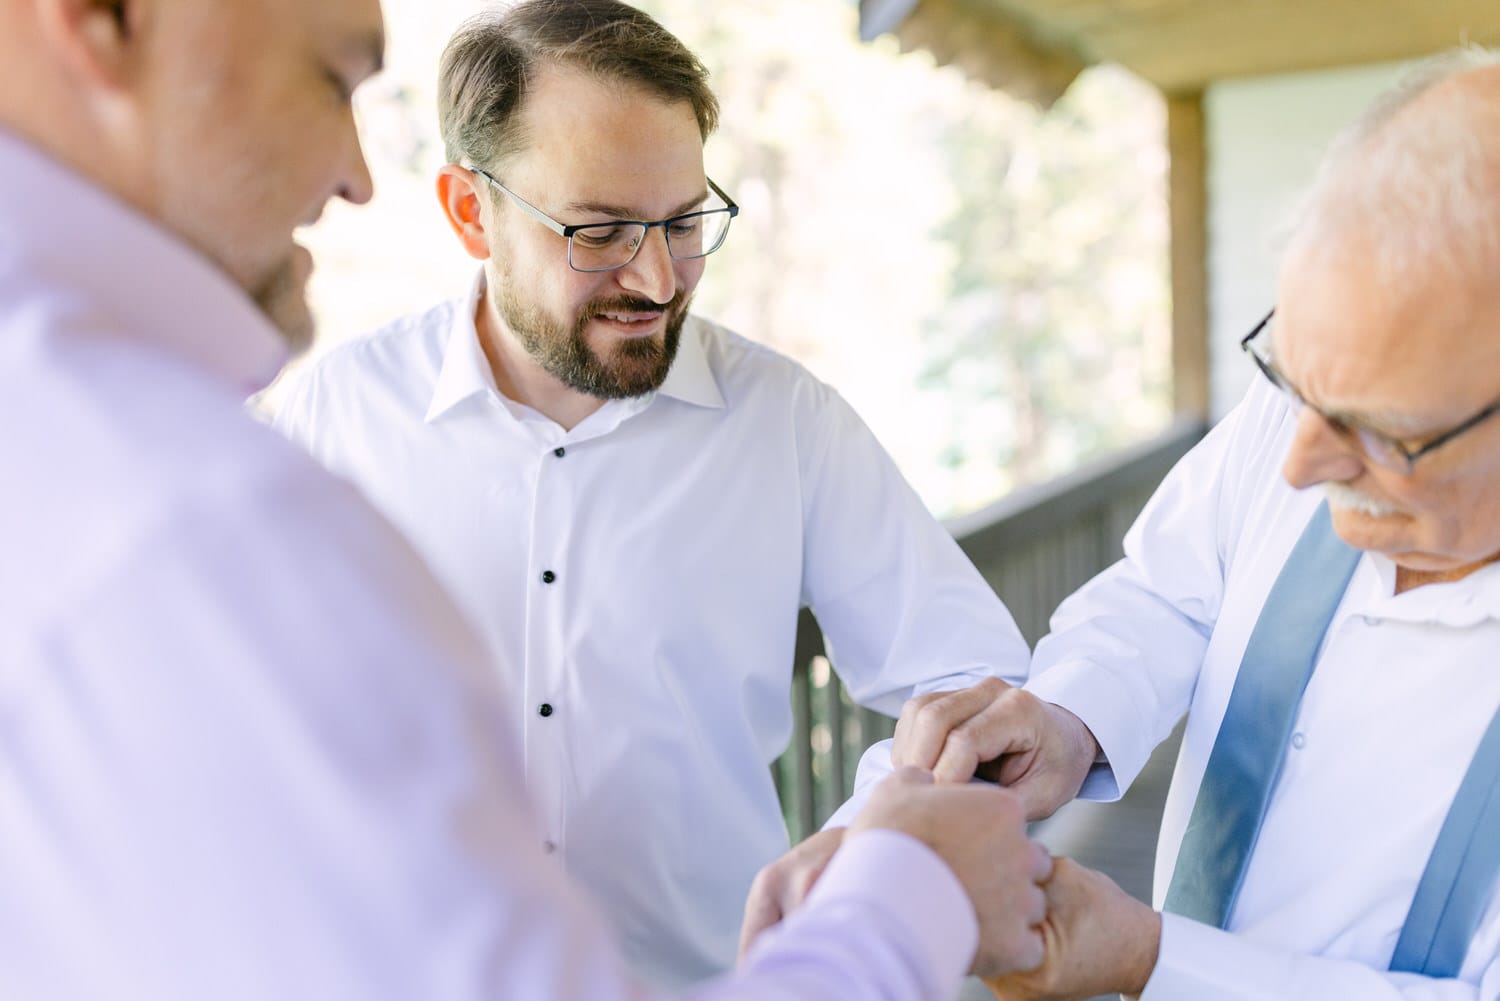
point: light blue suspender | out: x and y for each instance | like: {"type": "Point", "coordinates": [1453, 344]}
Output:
{"type": "Point", "coordinates": [1247, 754]}
{"type": "Point", "coordinates": [1460, 875]}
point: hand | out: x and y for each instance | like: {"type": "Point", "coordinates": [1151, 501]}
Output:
{"type": "Point", "coordinates": [979, 831]}
{"type": "Point", "coordinates": [1099, 940]}
{"type": "Point", "coordinates": [780, 887]}
{"type": "Point", "coordinates": [1040, 751]}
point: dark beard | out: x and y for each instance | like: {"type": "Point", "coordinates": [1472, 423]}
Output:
{"type": "Point", "coordinates": [637, 366]}
{"type": "Point", "coordinates": [282, 297]}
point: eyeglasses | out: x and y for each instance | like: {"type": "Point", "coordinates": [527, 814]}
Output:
{"type": "Point", "coordinates": [607, 246]}
{"type": "Point", "coordinates": [1385, 450]}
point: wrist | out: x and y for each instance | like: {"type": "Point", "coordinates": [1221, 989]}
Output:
{"type": "Point", "coordinates": [1146, 951]}
{"type": "Point", "coordinates": [1086, 750]}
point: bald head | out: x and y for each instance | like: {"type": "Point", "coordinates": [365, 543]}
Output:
{"type": "Point", "coordinates": [1414, 184]}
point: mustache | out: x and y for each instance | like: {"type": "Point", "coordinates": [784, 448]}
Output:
{"type": "Point", "coordinates": [1341, 495]}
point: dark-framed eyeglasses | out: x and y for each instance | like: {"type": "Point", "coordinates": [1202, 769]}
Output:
{"type": "Point", "coordinates": [608, 246]}
{"type": "Point", "coordinates": [1385, 450]}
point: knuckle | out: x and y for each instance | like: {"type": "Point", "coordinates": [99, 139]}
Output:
{"type": "Point", "coordinates": [917, 703]}
{"type": "Point", "coordinates": [930, 712]}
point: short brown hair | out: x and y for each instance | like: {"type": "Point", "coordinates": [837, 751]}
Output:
{"type": "Point", "coordinates": [485, 70]}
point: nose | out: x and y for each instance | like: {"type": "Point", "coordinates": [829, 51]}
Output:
{"type": "Point", "coordinates": [357, 186]}
{"type": "Point", "coordinates": [651, 272]}
{"type": "Point", "coordinates": [1320, 454]}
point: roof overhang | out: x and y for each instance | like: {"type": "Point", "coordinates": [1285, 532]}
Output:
{"type": "Point", "coordinates": [1034, 48]}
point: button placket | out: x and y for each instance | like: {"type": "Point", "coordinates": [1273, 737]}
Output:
{"type": "Point", "coordinates": [547, 765]}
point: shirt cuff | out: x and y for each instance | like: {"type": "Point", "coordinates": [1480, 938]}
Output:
{"type": "Point", "coordinates": [1093, 696]}
{"type": "Point", "coordinates": [874, 765]}
{"type": "Point", "coordinates": [1197, 961]}
{"type": "Point", "coordinates": [914, 889]}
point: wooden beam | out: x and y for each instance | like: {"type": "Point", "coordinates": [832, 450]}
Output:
{"type": "Point", "coordinates": [1187, 197]}
{"type": "Point", "coordinates": [990, 49]}
{"type": "Point", "coordinates": [1183, 45]}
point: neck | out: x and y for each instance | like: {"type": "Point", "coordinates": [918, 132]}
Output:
{"type": "Point", "coordinates": [520, 378]}
{"type": "Point", "coordinates": [1408, 579]}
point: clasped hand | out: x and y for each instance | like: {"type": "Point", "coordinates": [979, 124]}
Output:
{"type": "Point", "coordinates": [1047, 931]}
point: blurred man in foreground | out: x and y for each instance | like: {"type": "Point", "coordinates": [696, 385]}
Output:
{"type": "Point", "coordinates": [247, 748]}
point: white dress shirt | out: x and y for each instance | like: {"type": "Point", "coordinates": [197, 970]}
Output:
{"type": "Point", "coordinates": [1403, 689]}
{"type": "Point", "coordinates": [638, 580]}
{"type": "Point", "coordinates": [248, 749]}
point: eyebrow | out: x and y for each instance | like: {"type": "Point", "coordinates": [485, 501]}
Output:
{"type": "Point", "coordinates": [1387, 422]}
{"type": "Point", "coordinates": [623, 214]}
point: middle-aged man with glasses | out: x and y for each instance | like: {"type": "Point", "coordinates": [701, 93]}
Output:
{"type": "Point", "coordinates": [632, 503]}
{"type": "Point", "coordinates": [1333, 825]}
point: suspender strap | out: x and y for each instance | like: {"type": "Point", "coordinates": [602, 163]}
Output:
{"type": "Point", "coordinates": [1460, 875]}
{"type": "Point", "coordinates": [1247, 754]}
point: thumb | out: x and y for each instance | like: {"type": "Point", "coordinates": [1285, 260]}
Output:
{"type": "Point", "coordinates": [762, 911]}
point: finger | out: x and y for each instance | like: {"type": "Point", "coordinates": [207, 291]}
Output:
{"type": "Point", "coordinates": [901, 739]}
{"type": "Point", "coordinates": [988, 734]}
{"type": "Point", "coordinates": [1033, 906]}
{"type": "Point", "coordinates": [1031, 952]}
{"type": "Point", "coordinates": [932, 722]}
{"type": "Point", "coordinates": [1043, 864]}
{"type": "Point", "coordinates": [910, 775]}
{"type": "Point", "coordinates": [762, 910]}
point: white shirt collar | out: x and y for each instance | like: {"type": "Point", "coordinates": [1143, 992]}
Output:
{"type": "Point", "coordinates": [1461, 603]}
{"type": "Point", "coordinates": [145, 283]}
{"type": "Point", "coordinates": [466, 371]}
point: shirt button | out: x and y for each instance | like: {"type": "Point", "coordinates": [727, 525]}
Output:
{"type": "Point", "coordinates": [548, 576]}
{"type": "Point", "coordinates": [544, 710]}
{"type": "Point", "coordinates": [549, 847]}
{"type": "Point", "coordinates": [1298, 740]}
{"type": "Point", "coordinates": [559, 451]}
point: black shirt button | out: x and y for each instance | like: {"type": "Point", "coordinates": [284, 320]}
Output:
{"type": "Point", "coordinates": [548, 576]}
{"type": "Point", "coordinates": [545, 709]}
{"type": "Point", "coordinates": [559, 451]}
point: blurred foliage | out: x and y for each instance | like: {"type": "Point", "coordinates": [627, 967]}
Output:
{"type": "Point", "coordinates": [986, 284]}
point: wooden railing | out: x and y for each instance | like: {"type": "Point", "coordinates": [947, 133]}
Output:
{"type": "Point", "coordinates": [1035, 547]}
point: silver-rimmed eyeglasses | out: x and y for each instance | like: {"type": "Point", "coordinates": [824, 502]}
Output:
{"type": "Point", "coordinates": [607, 246]}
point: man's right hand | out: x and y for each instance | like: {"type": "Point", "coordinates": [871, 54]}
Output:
{"type": "Point", "coordinates": [980, 832]}
{"type": "Point", "coordinates": [1039, 750]}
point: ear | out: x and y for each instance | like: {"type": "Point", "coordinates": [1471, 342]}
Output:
{"type": "Point", "coordinates": [458, 191]}
{"type": "Point", "coordinates": [95, 39]}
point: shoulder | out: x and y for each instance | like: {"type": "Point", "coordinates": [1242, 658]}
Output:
{"type": "Point", "coordinates": [401, 358]}
{"type": "Point", "coordinates": [129, 453]}
{"type": "Point", "coordinates": [750, 370]}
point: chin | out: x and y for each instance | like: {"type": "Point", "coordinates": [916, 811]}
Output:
{"type": "Point", "coordinates": [283, 298]}
{"type": "Point", "coordinates": [1379, 533]}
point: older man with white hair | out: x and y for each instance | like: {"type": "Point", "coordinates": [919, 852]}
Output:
{"type": "Point", "coordinates": [1333, 825]}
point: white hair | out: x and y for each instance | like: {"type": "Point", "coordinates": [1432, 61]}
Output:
{"type": "Point", "coordinates": [1420, 181]}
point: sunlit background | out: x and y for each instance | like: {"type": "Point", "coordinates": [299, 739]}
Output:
{"type": "Point", "coordinates": [985, 283]}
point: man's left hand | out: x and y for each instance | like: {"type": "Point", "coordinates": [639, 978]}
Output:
{"type": "Point", "coordinates": [1040, 751]}
{"type": "Point", "coordinates": [1098, 940]}
{"type": "Point", "coordinates": [781, 886]}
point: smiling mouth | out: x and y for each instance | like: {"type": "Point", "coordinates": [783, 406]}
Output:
{"type": "Point", "coordinates": [632, 322]}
